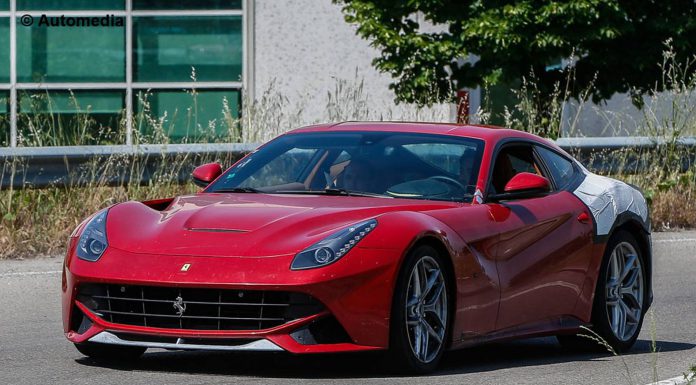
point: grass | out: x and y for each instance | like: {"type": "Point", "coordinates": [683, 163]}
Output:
{"type": "Point", "coordinates": [690, 376]}
{"type": "Point", "coordinates": [39, 221]}
{"type": "Point", "coordinates": [664, 171]}
{"type": "Point", "coordinates": [602, 343]}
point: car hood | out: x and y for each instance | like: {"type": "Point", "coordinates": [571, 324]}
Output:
{"type": "Point", "coordinates": [244, 225]}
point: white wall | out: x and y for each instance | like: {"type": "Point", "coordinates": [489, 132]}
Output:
{"type": "Point", "coordinates": [661, 113]}
{"type": "Point", "coordinates": [306, 46]}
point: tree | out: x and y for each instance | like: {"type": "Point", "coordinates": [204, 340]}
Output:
{"type": "Point", "coordinates": [616, 44]}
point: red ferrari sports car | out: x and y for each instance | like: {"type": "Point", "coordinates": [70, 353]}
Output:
{"type": "Point", "coordinates": [413, 238]}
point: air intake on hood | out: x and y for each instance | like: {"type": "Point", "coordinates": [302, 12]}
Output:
{"type": "Point", "coordinates": [214, 230]}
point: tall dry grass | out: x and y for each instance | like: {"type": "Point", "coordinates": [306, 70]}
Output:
{"type": "Point", "coordinates": [663, 170]}
{"type": "Point", "coordinates": [38, 221]}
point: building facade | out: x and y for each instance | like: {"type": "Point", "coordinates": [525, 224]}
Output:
{"type": "Point", "coordinates": [95, 72]}
{"type": "Point", "coordinates": [82, 71]}
{"type": "Point", "coordinates": [150, 71]}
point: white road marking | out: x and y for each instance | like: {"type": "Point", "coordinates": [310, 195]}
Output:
{"type": "Point", "coordinates": [674, 240]}
{"type": "Point", "coordinates": [29, 273]}
{"type": "Point", "coordinates": [674, 381]}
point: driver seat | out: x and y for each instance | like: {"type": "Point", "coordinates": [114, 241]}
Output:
{"type": "Point", "coordinates": [502, 172]}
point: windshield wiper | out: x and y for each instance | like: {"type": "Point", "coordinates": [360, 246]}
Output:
{"type": "Point", "coordinates": [239, 190]}
{"type": "Point", "coordinates": [332, 191]}
{"type": "Point", "coordinates": [342, 191]}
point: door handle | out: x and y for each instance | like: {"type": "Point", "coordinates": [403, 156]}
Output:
{"type": "Point", "coordinates": [583, 217]}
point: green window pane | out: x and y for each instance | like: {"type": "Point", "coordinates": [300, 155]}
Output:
{"type": "Point", "coordinates": [4, 50]}
{"type": "Point", "coordinates": [187, 4]}
{"type": "Point", "coordinates": [4, 119]}
{"type": "Point", "coordinates": [187, 117]}
{"type": "Point", "coordinates": [62, 118]}
{"type": "Point", "coordinates": [70, 54]}
{"type": "Point", "coordinates": [166, 48]}
{"type": "Point", "coordinates": [5, 5]}
{"type": "Point", "coordinates": [49, 5]}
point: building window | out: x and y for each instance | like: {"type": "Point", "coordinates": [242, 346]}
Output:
{"type": "Point", "coordinates": [72, 5]}
{"type": "Point", "coordinates": [5, 50]}
{"type": "Point", "coordinates": [70, 54]}
{"type": "Point", "coordinates": [56, 117]}
{"type": "Point", "coordinates": [187, 4]}
{"type": "Point", "coordinates": [191, 116]}
{"type": "Point", "coordinates": [170, 72]}
{"type": "Point", "coordinates": [166, 48]}
{"type": "Point", "coordinates": [4, 119]}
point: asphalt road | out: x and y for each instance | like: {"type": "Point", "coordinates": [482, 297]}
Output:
{"type": "Point", "coordinates": [34, 351]}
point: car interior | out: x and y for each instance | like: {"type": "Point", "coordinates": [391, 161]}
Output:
{"type": "Point", "coordinates": [399, 167]}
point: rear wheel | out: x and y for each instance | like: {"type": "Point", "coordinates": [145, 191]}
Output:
{"type": "Point", "coordinates": [620, 297]}
{"type": "Point", "coordinates": [420, 313]}
{"type": "Point", "coordinates": [110, 352]}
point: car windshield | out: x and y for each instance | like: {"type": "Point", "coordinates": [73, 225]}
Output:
{"type": "Point", "coordinates": [381, 164]}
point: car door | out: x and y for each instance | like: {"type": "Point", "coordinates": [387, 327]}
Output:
{"type": "Point", "coordinates": [544, 244]}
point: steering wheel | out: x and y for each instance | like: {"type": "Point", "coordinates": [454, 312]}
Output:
{"type": "Point", "coordinates": [449, 180]}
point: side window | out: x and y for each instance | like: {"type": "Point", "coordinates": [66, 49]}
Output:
{"type": "Point", "coordinates": [561, 169]}
{"type": "Point", "coordinates": [512, 160]}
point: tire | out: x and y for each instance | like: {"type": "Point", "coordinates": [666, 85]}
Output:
{"type": "Point", "coordinates": [620, 300]}
{"type": "Point", "coordinates": [430, 314]}
{"type": "Point", "coordinates": [110, 352]}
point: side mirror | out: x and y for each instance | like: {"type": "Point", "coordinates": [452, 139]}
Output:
{"type": "Point", "coordinates": [524, 185]}
{"type": "Point", "coordinates": [526, 181]}
{"type": "Point", "coordinates": [204, 174]}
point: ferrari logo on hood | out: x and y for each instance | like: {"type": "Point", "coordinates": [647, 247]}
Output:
{"type": "Point", "coordinates": [186, 267]}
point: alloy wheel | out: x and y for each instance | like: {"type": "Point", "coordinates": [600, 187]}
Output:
{"type": "Point", "coordinates": [426, 309]}
{"type": "Point", "coordinates": [625, 288]}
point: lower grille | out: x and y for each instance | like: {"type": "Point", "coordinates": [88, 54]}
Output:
{"type": "Point", "coordinates": [195, 308]}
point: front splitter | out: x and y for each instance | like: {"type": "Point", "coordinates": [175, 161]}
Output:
{"type": "Point", "coordinates": [262, 345]}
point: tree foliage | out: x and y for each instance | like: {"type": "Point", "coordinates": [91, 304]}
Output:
{"type": "Point", "coordinates": [427, 46]}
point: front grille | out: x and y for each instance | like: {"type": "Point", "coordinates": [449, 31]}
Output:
{"type": "Point", "coordinates": [195, 308]}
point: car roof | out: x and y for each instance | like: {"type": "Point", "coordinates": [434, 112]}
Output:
{"type": "Point", "coordinates": [487, 133]}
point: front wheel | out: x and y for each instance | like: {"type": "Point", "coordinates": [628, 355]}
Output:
{"type": "Point", "coordinates": [420, 313]}
{"type": "Point", "coordinates": [110, 352]}
{"type": "Point", "coordinates": [620, 298]}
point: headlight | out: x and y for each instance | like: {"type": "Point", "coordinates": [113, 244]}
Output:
{"type": "Point", "coordinates": [333, 247]}
{"type": "Point", "coordinates": [92, 242]}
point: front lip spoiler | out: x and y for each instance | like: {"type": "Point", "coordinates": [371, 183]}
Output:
{"type": "Point", "coordinates": [262, 345]}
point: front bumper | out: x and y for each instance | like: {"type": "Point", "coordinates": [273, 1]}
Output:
{"type": "Point", "coordinates": [356, 292]}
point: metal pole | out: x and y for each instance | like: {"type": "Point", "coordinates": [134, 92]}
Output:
{"type": "Point", "coordinates": [462, 107]}
{"type": "Point", "coordinates": [13, 73]}
{"type": "Point", "coordinates": [129, 72]}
